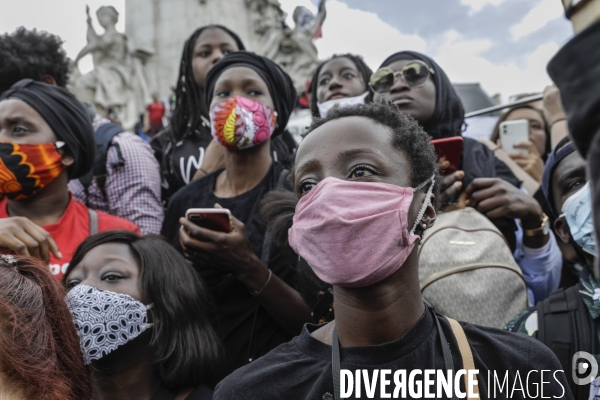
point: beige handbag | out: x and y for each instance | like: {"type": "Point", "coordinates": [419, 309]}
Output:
{"type": "Point", "coordinates": [467, 271]}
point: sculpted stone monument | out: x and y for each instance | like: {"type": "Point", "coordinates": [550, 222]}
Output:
{"type": "Point", "coordinates": [127, 68]}
{"type": "Point", "coordinates": [164, 26]}
{"type": "Point", "coordinates": [118, 80]}
{"type": "Point", "coordinates": [293, 49]}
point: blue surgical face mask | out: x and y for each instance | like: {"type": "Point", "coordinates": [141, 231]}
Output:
{"type": "Point", "coordinates": [577, 210]}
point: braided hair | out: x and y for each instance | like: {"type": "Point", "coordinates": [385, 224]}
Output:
{"type": "Point", "coordinates": [363, 69]}
{"type": "Point", "coordinates": [189, 97]}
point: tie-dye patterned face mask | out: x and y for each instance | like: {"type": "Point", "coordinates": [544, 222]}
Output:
{"type": "Point", "coordinates": [241, 123]}
{"type": "Point", "coordinates": [25, 169]}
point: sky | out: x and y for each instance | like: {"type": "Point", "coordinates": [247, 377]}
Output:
{"type": "Point", "coordinates": [502, 44]}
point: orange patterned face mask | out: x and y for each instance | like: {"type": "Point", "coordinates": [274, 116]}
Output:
{"type": "Point", "coordinates": [25, 169]}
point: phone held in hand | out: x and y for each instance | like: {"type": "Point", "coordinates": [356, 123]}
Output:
{"type": "Point", "coordinates": [449, 149]}
{"type": "Point", "coordinates": [512, 133]}
{"type": "Point", "coordinates": [215, 219]}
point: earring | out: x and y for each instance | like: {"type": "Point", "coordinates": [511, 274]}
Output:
{"type": "Point", "coordinates": [423, 226]}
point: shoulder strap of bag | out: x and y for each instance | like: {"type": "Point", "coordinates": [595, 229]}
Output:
{"type": "Point", "coordinates": [104, 136]}
{"type": "Point", "coordinates": [564, 326]}
{"type": "Point", "coordinates": [465, 353]}
{"type": "Point", "coordinates": [529, 183]}
{"type": "Point", "coordinates": [93, 221]}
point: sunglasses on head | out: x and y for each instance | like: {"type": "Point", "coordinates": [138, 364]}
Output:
{"type": "Point", "coordinates": [415, 73]}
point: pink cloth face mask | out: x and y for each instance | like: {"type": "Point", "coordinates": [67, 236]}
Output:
{"type": "Point", "coordinates": [240, 123]}
{"type": "Point", "coordinates": [355, 234]}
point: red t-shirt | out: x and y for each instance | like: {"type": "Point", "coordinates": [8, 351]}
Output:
{"type": "Point", "coordinates": [156, 112]}
{"type": "Point", "coordinates": [72, 229]}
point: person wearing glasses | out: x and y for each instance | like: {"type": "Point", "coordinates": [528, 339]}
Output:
{"type": "Point", "coordinates": [418, 86]}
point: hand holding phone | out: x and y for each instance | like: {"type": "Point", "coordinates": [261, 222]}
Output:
{"type": "Point", "coordinates": [513, 133]}
{"type": "Point", "coordinates": [215, 219]}
{"type": "Point", "coordinates": [450, 150]}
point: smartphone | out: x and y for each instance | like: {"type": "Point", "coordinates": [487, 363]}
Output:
{"type": "Point", "coordinates": [449, 149]}
{"type": "Point", "coordinates": [215, 219]}
{"type": "Point", "coordinates": [513, 132]}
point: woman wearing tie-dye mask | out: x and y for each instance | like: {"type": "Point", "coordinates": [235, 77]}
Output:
{"type": "Point", "coordinates": [250, 99]}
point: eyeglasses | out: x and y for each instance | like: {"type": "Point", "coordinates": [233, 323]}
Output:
{"type": "Point", "coordinates": [415, 73]}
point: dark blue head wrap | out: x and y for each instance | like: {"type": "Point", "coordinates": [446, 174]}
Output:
{"type": "Point", "coordinates": [555, 157]}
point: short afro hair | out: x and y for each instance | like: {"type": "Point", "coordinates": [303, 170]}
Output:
{"type": "Point", "coordinates": [32, 54]}
{"type": "Point", "coordinates": [407, 136]}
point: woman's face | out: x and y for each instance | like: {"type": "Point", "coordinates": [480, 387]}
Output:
{"type": "Point", "coordinates": [418, 102]}
{"type": "Point", "coordinates": [21, 123]}
{"type": "Point", "coordinates": [537, 126]}
{"type": "Point", "coordinates": [353, 149]}
{"type": "Point", "coordinates": [212, 45]}
{"type": "Point", "coordinates": [109, 266]}
{"type": "Point", "coordinates": [339, 78]}
{"type": "Point", "coordinates": [243, 82]}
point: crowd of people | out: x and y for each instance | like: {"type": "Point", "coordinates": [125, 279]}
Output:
{"type": "Point", "coordinates": [323, 263]}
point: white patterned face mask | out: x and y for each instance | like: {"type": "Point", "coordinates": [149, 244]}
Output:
{"type": "Point", "coordinates": [105, 320]}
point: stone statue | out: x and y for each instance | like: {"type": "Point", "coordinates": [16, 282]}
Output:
{"type": "Point", "coordinates": [293, 49]}
{"type": "Point", "coordinates": [118, 79]}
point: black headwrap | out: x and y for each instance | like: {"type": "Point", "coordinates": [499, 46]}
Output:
{"type": "Point", "coordinates": [449, 115]}
{"type": "Point", "coordinates": [65, 115]}
{"type": "Point", "coordinates": [279, 83]}
{"type": "Point", "coordinates": [477, 161]}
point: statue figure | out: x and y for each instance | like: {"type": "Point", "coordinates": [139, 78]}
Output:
{"type": "Point", "coordinates": [118, 80]}
{"type": "Point", "coordinates": [293, 49]}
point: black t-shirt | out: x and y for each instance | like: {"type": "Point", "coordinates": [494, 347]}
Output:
{"type": "Point", "coordinates": [201, 392]}
{"type": "Point", "coordinates": [301, 368]}
{"type": "Point", "coordinates": [246, 329]}
{"type": "Point", "coordinates": [179, 160]}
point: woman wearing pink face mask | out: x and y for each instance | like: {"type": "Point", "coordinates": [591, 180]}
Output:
{"type": "Point", "coordinates": [366, 180]}
{"type": "Point", "coordinates": [251, 278]}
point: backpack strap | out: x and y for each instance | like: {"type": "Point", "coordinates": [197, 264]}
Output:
{"type": "Point", "coordinates": [465, 354]}
{"type": "Point", "coordinates": [104, 136]}
{"type": "Point", "coordinates": [93, 221]}
{"type": "Point", "coordinates": [564, 326]}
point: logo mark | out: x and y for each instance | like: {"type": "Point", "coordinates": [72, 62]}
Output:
{"type": "Point", "coordinates": [584, 364]}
